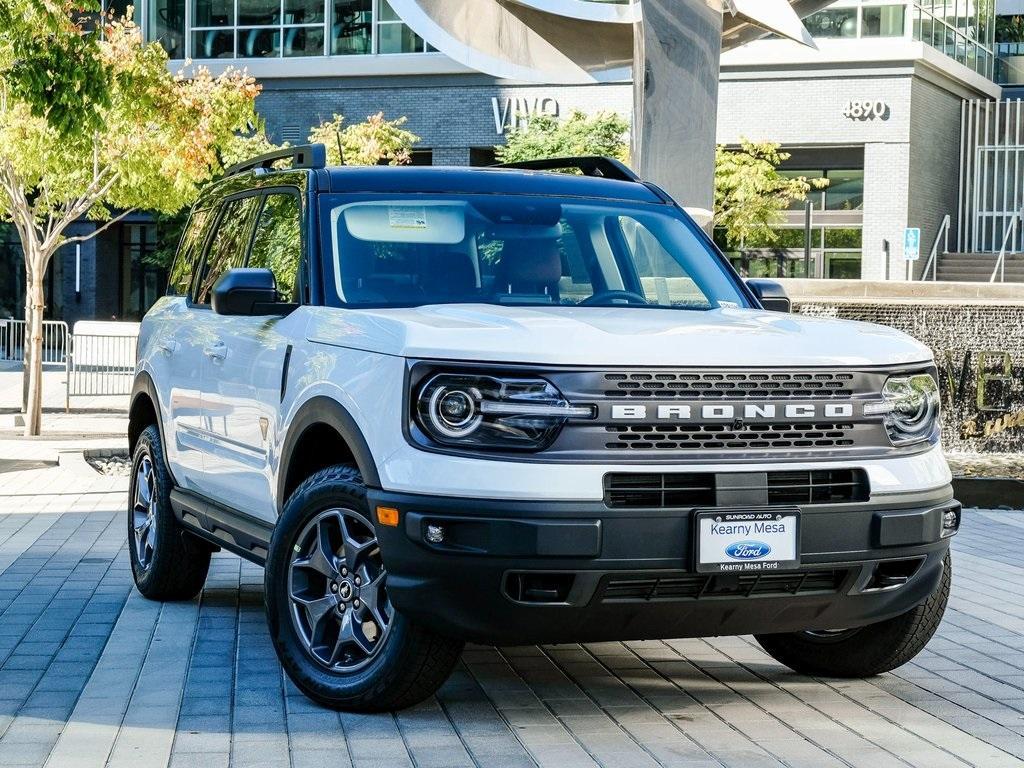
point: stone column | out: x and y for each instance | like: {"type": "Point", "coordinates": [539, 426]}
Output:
{"type": "Point", "coordinates": [675, 84]}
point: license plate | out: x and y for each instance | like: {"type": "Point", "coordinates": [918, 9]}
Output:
{"type": "Point", "coordinates": [747, 540]}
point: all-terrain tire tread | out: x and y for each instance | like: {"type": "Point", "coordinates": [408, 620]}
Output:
{"type": "Point", "coordinates": [882, 648]}
{"type": "Point", "coordinates": [179, 571]}
{"type": "Point", "coordinates": [428, 658]}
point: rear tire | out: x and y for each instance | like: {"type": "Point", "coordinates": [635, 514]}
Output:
{"type": "Point", "coordinates": [168, 563]}
{"type": "Point", "coordinates": [334, 629]}
{"type": "Point", "coordinates": [865, 651]}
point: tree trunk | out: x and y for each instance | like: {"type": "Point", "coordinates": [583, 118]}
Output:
{"type": "Point", "coordinates": [35, 305]}
{"type": "Point", "coordinates": [26, 357]}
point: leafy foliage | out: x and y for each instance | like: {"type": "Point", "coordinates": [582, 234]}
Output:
{"type": "Point", "coordinates": [751, 194]}
{"type": "Point", "coordinates": [134, 136]}
{"type": "Point", "coordinates": [545, 136]}
{"type": "Point", "coordinates": [372, 142]}
{"type": "Point", "coordinates": [49, 63]}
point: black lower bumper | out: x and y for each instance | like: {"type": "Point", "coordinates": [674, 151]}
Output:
{"type": "Point", "coordinates": [507, 572]}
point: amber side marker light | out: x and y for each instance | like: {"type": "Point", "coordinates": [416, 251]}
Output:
{"type": "Point", "coordinates": [387, 516]}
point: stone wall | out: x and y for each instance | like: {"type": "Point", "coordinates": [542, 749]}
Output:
{"type": "Point", "coordinates": [979, 351]}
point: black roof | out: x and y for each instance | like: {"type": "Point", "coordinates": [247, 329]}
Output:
{"type": "Point", "coordinates": [469, 181]}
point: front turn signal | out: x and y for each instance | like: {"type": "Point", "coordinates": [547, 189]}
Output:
{"type": "Point", "coordinates": [387, 516]}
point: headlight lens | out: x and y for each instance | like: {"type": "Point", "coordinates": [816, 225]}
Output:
{"type": "Point", "coordinates": [495, 412]}
{"type": "Point", "coordinates": [910, 408]}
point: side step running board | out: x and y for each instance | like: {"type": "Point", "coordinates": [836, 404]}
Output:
{"type": "Point", "coordinates": [235, 531]}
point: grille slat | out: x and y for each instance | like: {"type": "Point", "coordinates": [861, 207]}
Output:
{"type": "Point", "coordinates": [704, 586]}
{"type": "Point", "coordinates": [741, 385]}
{"type": "Point", "coordinates": [680, 490]}
{"type": "Point", "coordinates": [694, 437]}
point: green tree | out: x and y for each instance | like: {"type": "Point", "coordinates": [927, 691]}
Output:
{"type": "Point", "coordinates": [48, 65]}
{"type": "Point", "coordinates": [371, 142]}
{"type": "Point", "coordinates": [751, 194]}
{"type": "Point", "coordinates": [544, 136]}
{"type": "Point", "coordinates": [159, 141]}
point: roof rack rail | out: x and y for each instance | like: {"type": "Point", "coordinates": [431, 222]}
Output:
{"type": "Point", "coordinates": [601, 167]}
{"type": "Point", "coordinates": [304, 156]}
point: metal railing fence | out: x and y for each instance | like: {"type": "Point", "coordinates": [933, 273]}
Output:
{"type": "Point", "coordinates": [100, 364]}
{"type": "Point", "coordinates": [933, 256]}
{"type": "Point", "coordinates": [55, 341]}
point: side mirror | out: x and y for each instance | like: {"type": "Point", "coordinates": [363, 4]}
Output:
{"type": "Point", "coordinates": [771, 295]}
{"type": "Point", "coordinates": [247, 292]}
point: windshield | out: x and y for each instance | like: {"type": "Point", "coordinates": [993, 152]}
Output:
{"type": "Point", "coordinates": [519, 250]}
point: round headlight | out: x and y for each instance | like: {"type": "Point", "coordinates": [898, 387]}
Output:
{"type": "Point", "coordinates": [454, 412]}
{"type": "Point", "coordinates": [491, 412]}
{"type": "Point", "coordinates": [913, 410]}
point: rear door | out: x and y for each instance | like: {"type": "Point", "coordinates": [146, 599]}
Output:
{"type": "Point", "coordinates": [244, 393]}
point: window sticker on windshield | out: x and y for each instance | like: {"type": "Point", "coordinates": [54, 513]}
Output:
{"type": "Point", "coordinates": [407, 217]}
{"type": "Point", "coordinates": [728, 304]}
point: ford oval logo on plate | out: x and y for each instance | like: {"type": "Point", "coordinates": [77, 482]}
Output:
{"type": "Point", "coordinates": [748, 550]}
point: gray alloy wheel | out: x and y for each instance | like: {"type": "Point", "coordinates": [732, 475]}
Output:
{"type": "Point", "coordinates": [144, 513]}
{"type": "Point", "coordinates": [336, 586]}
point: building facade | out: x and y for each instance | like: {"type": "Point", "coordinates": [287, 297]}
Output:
{"type": "Point", "coordinates": [877, 109]}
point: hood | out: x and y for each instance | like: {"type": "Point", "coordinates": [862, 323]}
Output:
{"type": "Point", "coordinates": [616, 336]}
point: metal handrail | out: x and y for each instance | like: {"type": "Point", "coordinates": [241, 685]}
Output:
{"type": "Point", "coordinates": [1000, 268]}
{"type": "Point", "coordinates": [933, 257]}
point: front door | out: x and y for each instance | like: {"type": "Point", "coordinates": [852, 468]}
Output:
{"type": "Point", "coordinates": [242, 396]}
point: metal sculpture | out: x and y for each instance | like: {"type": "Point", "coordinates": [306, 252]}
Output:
{"type": "Point", "coordinates": [675, 45]}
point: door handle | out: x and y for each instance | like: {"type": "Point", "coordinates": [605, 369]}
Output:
{"type": "Point", "coordinates": [216, 351]}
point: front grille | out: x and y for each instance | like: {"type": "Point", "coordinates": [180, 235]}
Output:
{"type": "Point", "coordinates": [679, 490]}
{"type": "Point", "coordinates": [630, 491]}
{"type": "Point", "coordinates": [742, 385]}
{"type": "Point", "coordinates": [819, 486]}
{"type": "Point", "coordinates": [700, 586]}
{"type": "Point", "coordinates": [676, 437]}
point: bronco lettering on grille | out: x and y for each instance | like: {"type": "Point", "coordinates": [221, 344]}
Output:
{"type": "Point", "coordinates": [727, 412]}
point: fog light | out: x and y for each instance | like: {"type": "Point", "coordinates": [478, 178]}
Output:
{"type": "Point", "coordinates": [951, 521]}
{"type": "Point", "coordinates": [434, 534]}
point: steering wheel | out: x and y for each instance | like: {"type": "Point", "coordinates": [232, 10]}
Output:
{"type": "Point", "coordinates": [613, 297]}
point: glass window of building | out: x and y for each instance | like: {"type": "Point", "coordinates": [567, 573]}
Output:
{"type": "Point", "coordinates": [833, 22]}
{"type": "Point", "coordinates": [393, 36]}
{"type": "Point", "coordinates": [142, 282]}
{"type": "Point", "coordinates": [351, 27]}
{"type": "Point", "coordinates": [883, 20]}
{"type": "Point", "coordinates": [248, 29]}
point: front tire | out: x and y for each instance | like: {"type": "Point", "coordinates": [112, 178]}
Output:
{"type": "Point", "coordinates": [168, 563]}
{"type": "Point", "coordinates": [335, 631]}
{"type": "Point", "coordinates": [865, 651]}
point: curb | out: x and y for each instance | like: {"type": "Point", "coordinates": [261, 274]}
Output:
{"type": "Point", "coordinates": [989, 492]}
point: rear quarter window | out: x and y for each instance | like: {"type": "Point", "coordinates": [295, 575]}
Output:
{"type": "Point", "coordinates": [189, 249]}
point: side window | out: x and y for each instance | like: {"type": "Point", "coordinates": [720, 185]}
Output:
{"type": "Point", "coordinates": [188, 253]}
{"type": "Point", "coordinates": [227, 247]}
{"type": "Point", "coordinates": [277, 242]}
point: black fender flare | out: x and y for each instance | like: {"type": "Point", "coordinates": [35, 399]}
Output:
{"type": "Point", "coordinates": [324, 410]}
{"type": "Point", "coordinates": [144, 385]}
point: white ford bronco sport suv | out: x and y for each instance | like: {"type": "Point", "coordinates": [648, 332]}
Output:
{"type": "Point", "coordinates": [513, 406]}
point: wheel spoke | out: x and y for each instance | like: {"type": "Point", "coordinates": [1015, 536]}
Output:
{"type": "Point", "coordinates": [355, 550]}
{"type": "Point", "coordinates": [322, 558]}
{"type": "Point", "coordinates": [316, 609]}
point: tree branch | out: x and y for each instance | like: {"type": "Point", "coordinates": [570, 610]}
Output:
{"type": "Point", "coordinates": [106, 225]}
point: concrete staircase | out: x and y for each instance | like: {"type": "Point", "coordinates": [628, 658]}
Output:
{"type": "Point", "coordinates": [977, 267]}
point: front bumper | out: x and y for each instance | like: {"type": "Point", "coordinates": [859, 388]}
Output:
{"type": "Point", "coordinates": [522, 572]}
